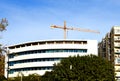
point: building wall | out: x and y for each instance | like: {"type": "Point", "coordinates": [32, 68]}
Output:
{"type": "Point", "coordinates": [112, 48]}
{"type": "Point", "coordinates": [116, 49]}
{"type": "Point", "coordinates": [39, 57]}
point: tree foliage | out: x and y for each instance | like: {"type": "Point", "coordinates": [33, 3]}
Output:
{"type": "Point", "coordinates": [77, 68]}
{"type": "Point", "coordinates": [3, 24]}
{"type": "Point", "coordinates": [2, 62]}
{"type": "Point", "coordinates": [2, 78]}
{"type": "Point", "coordinates": [31, 77]}
{"type": "Point", "coordinates": [82, 68]}
{"type": "Point", "coordinates": [48, 76]}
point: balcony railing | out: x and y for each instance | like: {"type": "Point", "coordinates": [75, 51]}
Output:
{"type": "Point", "coordinates": [118, 52]}
{"type": "Point", "coordinates": [117, 44]}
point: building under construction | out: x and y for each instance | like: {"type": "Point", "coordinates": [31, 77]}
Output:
{"type": "Point", "coordinates": [109, 48]}
{"type": "Point", "coordinates": [40, 56]}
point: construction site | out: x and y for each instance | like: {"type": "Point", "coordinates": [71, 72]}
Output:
{"type": "Point", "coordinates": [39, 57]}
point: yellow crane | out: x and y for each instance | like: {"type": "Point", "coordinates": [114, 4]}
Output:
{"type": "Point", "coordinates": [72, 28]}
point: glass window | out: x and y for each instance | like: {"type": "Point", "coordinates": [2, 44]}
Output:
{"type": "Point", "coordinates": [47, 51]}
{"type": "Point", "coordinates": [118, 60]}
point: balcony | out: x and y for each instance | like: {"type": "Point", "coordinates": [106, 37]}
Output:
{"type": "Point", "coordinates": [117, 39]}
{"type": "Point", "coordinates": [117, 31]}
{"type": "Point", "coordinates": [117, 44]}
{"type": "Point", "coordinates": [117, 51]}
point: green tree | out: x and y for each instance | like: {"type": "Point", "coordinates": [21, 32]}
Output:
{"type": "Point", "coordinates": [2, 78]}
{"type": "Point", "coordinates": [48, 76]}
{"type": "Point", "coordinates": [31, 77]}
{"type": "Point", "coordinates": [3, 24]}
{"type": "Point", "coordinates": [82, 68]}
{"type": "Point", "coordinates": [2, 62]}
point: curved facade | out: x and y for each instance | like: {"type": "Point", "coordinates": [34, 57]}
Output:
{"type": "Point", "coordinates": [39, 56]}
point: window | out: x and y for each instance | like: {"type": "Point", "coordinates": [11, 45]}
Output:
{"type": "Point", "coordinates": [50, 42]}
{"type": "Point", "coordinates": [11, 63]}
{"type": "Point", "coordinates": [28, 44]}
{"type": "Point", "coordinates": [68, 42]}
{"type": "Point", "coordinates": [47, 51]}
{"type": "Point", "coordinates": [118, 60]}
{"type": "Point", "coordinates": [35, 43]}
{"type": "Point", "coordinates": [59, 42]}
{"type": "Point", "coordinates": [10, 71]}
{"type": "Point", "coordinates": [11, 56]}
{"type": "Point", "coordinates": [77, 42]}
{"type": "Point", "coordinates": [84, 42]}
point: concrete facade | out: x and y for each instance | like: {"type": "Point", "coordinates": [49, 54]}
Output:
{"type": "Point", "coordinates": [39, 56]}
{"type": "Point", "coordinates": [109, 48]}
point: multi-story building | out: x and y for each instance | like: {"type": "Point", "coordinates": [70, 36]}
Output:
{"type": "Point", "coordinates": [104, 47]}
{"type": "Point", "coordinates": [39, 56]}
{"type": "Point", "coordinates": [109, 48]}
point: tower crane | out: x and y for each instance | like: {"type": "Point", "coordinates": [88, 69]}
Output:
{"type": "Point", "coordinates": [72, 28]}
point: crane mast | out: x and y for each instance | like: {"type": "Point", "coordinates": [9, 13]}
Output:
{"type": "Point", "coordinates": [65, 28]}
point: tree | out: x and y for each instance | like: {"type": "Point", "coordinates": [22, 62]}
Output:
{"type": "Point", "coordinates": [2, 78]}
{"type": "Point", "coordinates": [31, 77]}
{"type": "Point", "coordinates": [83, 68]}
{"type": "Point", "coordinates": [48, 76]}
{"type": "Point", "coordinates": [2, 62]}
{"type": "Point", "coordinates": [3, 25]}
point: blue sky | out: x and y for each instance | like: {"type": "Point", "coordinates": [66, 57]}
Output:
{"type": "Point", "coordinates": [30, 20]}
